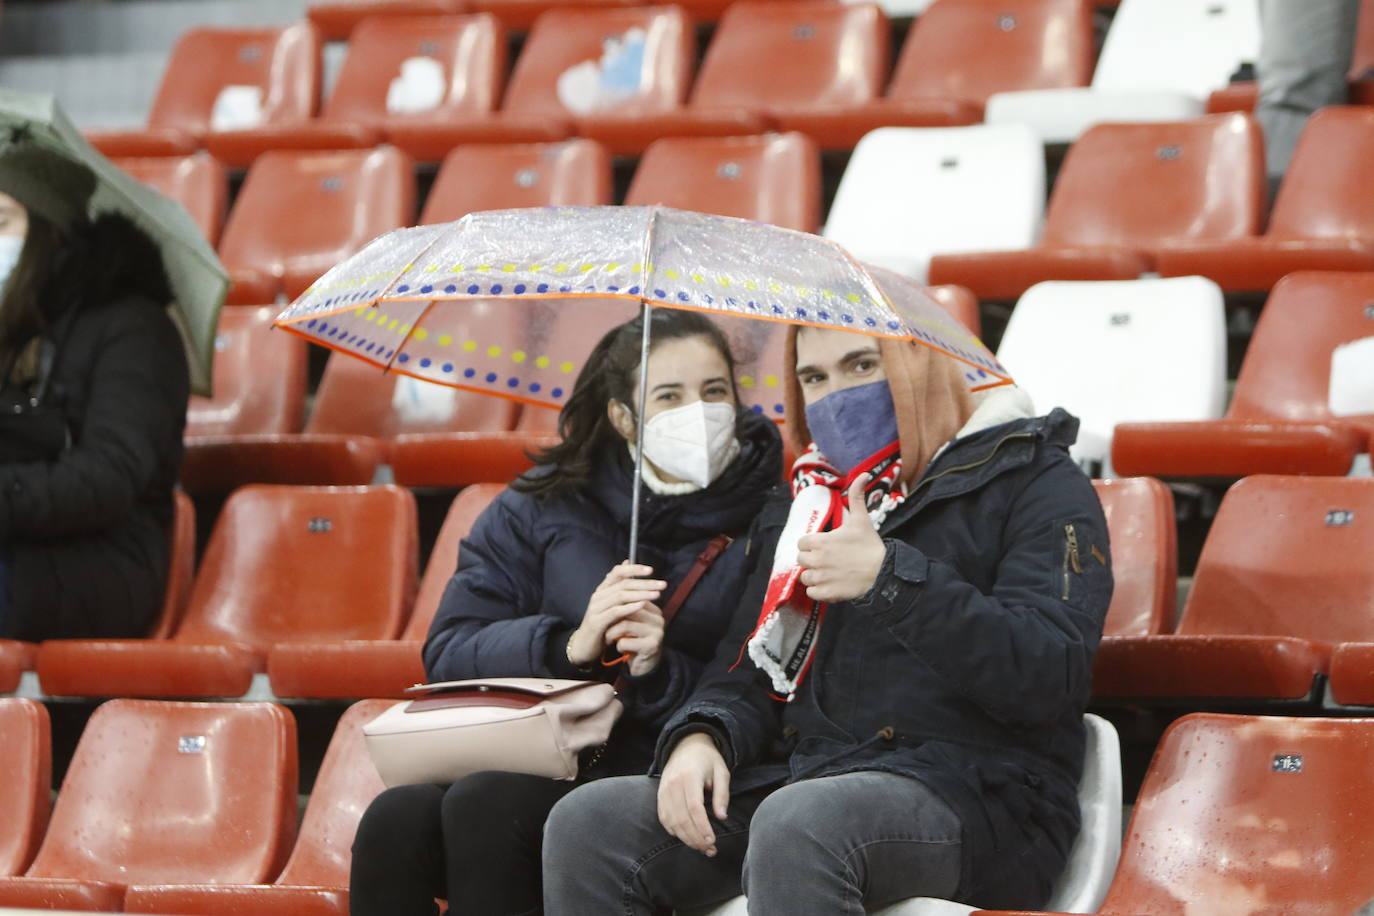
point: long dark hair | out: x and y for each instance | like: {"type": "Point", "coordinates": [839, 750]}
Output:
{"type": "Point", "coordinates": [21, 304]}
{"type": "Point", "coordinates": [611, 372]}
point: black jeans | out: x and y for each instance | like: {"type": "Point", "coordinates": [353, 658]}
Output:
{"type": "Point", "coordinates": [475, 844]}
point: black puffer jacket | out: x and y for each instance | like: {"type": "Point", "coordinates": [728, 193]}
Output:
{"type": "Point", "coordinates": [968, 664]}
{"type": "Point", "coordinates": [86, 534]}
{"type": "Point", "coordinates": [529, 566]}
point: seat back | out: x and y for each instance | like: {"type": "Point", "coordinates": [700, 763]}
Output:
{"type": "Point", "coordinates": [259, 378]}
{"type": "Point", "coordinates": [576, 173]}
{"type": "Point", "coordinates": [1251, 814]}
{"type": "Point", "coordinates": [300, 213]}
{"type": "Point", "coordinates": [1093, 857]}
{"type": "Point", "coordinates": [773, 178]}
{"type": "Point", "coordinates": [1087, 347]}
{"type": "Point", "coordinates": [961, 304]}
{"type": "Point", "coordinates": [1287, 369]}
{"type": "Point", "coordinates": [176, 793]}
{"type": "Point", "coordinates": [199, 183]}
{"type": "Point", "coordinates": [1140, 526]}
{"type": "Point", "coordinates": [1331, 157]}
{"type": "Point", "coordinates": [299, 564]}
{"type": "Point", "coordinates": [359, 399]}
{"type": "Point", "coordinates": [428, 66]}
{"type": "Point", "coordinates": [1207, 42]}
{"type": "Point", "coordinates": [794, 53]}
{"type": "Point", "coordinates": [443, 558]}
{"type": "Point", "coordinates": [344, 787]}
{"type": "Point", "coordinates": [625, 61]}
{"type": "Point", "coordinates": [26, 761]}
{"type": "Point", "coordinates": [1135, 185]}
{"type": "Point", "coordinates": [970, 49]}
{"type": "Point", "coordinates": [181, 568]}
{"type": "Point", "coordinates": [1280, 560]}
{"type": "Point", "coordinates": [911, 193]}
{"type": "Point", "coordinates": [283, 64]}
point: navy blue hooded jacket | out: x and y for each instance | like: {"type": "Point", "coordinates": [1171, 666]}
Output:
{"type": "Point", "coordinates": [530, 565]}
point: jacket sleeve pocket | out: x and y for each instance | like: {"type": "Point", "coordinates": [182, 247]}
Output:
{"type": "Point", "coordinates": [1080, 572]}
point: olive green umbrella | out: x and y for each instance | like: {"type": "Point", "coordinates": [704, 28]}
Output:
{"type": "Point", "coordinates": [37, 138]}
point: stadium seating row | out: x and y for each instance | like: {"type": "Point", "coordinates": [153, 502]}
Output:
{"type": "Point", "coordinates": [1230, 806]}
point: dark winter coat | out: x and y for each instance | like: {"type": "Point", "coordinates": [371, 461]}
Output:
{"type": "Point", "coordinates": [967, 665]}
{"type": "Point", "coordinates": [529, 566]}
{"type": "Point", "coordinates": [87, 533]}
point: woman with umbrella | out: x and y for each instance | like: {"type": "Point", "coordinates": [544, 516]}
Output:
{"type": "Point", "coordinates": [93, 390]}
{"type": "Point", "coordinates": [543, 589]}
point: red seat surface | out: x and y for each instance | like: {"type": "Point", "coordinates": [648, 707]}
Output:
{"type": "Point", "coordinates": [470, 50]}
{"type": "Point", "coordinates": [315, 879]}
{"type": "Point", "coordinates": [16, 657]}
{"type": "Point", "coordinates": [573, 173]}
{"type": "Point", "coordinates": [774, 178]}
{"type": "Point", "coordinates": [259, 379]}
{"type": "Point", "coordinates": [300, 213]}
{"type": "Point", "coordinates": [200, 183]}
{"type": "Point", "coordinates": [336, 21]}
{"type": "Point", "coordinates": [375, 667]}
{"type": "Point", "coordinates": [26, 761]}
{"type": "Point", "coordinates": [1140, 528]}
{"type": "Point", "coordinates": [1278, 421]}
{"type": "Point", "coordinates": [166, 793]}
{"type": "Point", "coordinates": [283, 62]}
{"type": "Point", "coordinates": [1122, 192]}
{"type": "Point", "coordinates": [284, 564]}
{"type": "Point", "coordinates": [1317, 223]}
{"type": "Point", "coordinates": [1274, 589]}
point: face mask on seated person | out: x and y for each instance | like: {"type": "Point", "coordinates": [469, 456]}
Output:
{"type": "Point", "coordinates": [695, 442]}
{"type": "Point", "coordinates": [849, 426]}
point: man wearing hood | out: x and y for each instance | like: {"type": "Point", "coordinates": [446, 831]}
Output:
{"type": "Point", "coordinates": [897, 710]}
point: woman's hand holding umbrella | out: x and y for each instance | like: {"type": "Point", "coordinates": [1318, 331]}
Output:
{"type": "Point", "coordinates": [622, 612]}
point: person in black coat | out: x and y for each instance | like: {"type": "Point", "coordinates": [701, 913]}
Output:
{"type": "Point", "coordinates": [93, 390]}
{"type": "Point", "coordinates": [543, 589]}
{"type": "Point", "coordinates": [897, 710]}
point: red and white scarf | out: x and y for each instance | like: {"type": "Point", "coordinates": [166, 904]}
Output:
{"type": "Point", "coordinates": [783, 643]}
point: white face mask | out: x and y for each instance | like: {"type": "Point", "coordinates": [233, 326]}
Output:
{"type": "Point", "coordinates": [10, 248]}
{"type": "Point", "coordinates": [693, 442]}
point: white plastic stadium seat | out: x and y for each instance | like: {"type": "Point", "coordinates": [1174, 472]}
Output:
{"type": "Point", "coordinates": [1160, 61]}
{"type": "Point", "coordinates": [910, 192]}
{"type": "Point", "coordinates": [1092, 860]}
{"type": "Point", "coordinates": [1120, 351]}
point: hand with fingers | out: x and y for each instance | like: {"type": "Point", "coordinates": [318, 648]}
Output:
{"type": "Point", "coordinates": [623, 603]}
{"type": "Point", "coordinates": [695, 766]}
{"type": "Point", "coordinates": [843, 564]}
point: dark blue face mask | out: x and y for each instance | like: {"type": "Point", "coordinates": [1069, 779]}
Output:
{"type": "Point", "coordinates": [849, 426]}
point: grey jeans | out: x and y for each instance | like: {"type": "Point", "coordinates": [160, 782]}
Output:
{"type": "Point", "coordinates": [833, 845]}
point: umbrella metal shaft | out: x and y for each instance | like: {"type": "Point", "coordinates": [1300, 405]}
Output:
{"type": "Point", "coordinates": [639, 436]}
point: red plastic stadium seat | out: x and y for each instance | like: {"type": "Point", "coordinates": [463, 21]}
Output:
{"type": "Point", "coordinates": [574, 173]}
{"type": "Point", "coordinates": [26, 761]}
{"type": "Point", "coordinates": [464, 459]}
{"type": "Point", "coordinates": [774, 178]}
{"type": "Point", "coordinates": [336, 21]}
{"type": "Point", "coordinates": [259, 381]}
{"type": "Point", "coordinates": [1251, 814]}
{"type": "Point", "coordinates": [1317, 223]}
{"type": "Point", "coordinates": [315, 879]}
{"type": "Point", "coordinates": [300, 213]}
{"type": "Point", "coordinates": [199, 183]}
{"type": "Point", "coordinates": [284, 564]}
{"type": "Point", "coordinates": [469, 50]}
{"type": "Point", "coordinates": [1140, 525]}
{"type": "Point", "coordinates": [166, 793]}
{"type": "Point", "coordinates": [1275, 588]}
{"type": "Point", "coordinates": [381, 668]}
{"type": "Point", "coordinates": [961, 304]}
{"type": "Point", "coordinates": [1278, 421]}
{"type": "Point", "coordinates": [770, 63]}
{"type": "Point", "coordinates": [1125, 189]}
{"type": "Point", "coordinates": [956, 56]}
{"type": "Point", "coordinates": [16, 657]}
{"type": "Point", "coordinates": [564, 44]}
{"type": "Point", "coordinates": [282, 63]}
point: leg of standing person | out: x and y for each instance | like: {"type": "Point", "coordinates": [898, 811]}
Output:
{"type": "Point", "coordinates": [493, 834]}
{"type": "Point", "coordinates": [839, 844]}
{"type": "Point", "coordinates": [1305, 52]}
{"type": "Point", "coordinates": [605, 854]}
{"type": "Point", "coordinates": [398, 854]}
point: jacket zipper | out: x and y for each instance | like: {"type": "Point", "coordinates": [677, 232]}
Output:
{"type": "Point", "coordinates": [1071, 559]}
{"type": "Point", "coordinates": [968, 467]}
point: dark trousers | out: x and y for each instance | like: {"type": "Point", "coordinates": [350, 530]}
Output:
{"type": "Point", "coordinates": [475, 844]}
